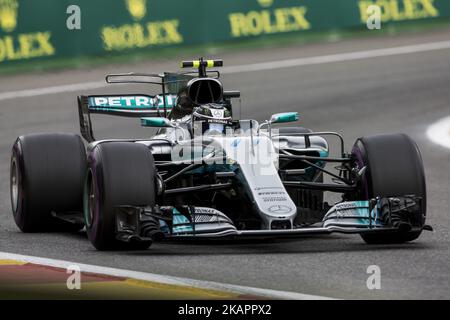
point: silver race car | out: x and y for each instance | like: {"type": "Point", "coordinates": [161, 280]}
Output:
{"type": "Point", "coordinates": [206, 174]}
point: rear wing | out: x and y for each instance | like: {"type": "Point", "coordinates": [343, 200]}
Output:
{"type": "Point", "coordinates": [132, 105]}
{"type": "Point", "coordinates": [126, 105]}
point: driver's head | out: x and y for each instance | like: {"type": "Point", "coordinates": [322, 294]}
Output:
{"type": "Point", "coordinates": [214, 118]}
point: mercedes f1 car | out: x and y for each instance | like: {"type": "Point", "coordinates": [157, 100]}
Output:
{"type": "Point", "coordinates": [207, 175]}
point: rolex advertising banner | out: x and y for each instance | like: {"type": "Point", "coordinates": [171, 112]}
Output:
{"type": "Point", "coordinates": [46, 29]}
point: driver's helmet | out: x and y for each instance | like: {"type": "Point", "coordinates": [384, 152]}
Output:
{"type": "Point", "coordinates": [213, 118]}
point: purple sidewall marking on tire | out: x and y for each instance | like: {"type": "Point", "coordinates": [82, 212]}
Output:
{"type": "Point", "coordinates": [357, 153]}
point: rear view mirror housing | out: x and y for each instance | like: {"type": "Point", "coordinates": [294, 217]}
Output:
{"type": "Point", "coordinates": [284, 117]}
{"type": "Point", "coordinates": [156, 122]}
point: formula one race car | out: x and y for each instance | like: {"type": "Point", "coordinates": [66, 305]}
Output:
{"type": "Point", "coordinates": [206, 174]}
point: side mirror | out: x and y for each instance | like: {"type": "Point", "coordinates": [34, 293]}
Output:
{"type": "Point", "coordinates": [158, 122]}
{"type": "Point", "coordinates": [284, 117]}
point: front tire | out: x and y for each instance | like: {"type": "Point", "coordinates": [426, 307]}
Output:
{"type": "Point", "coordinates": [119, 173]}
{"type": "Point", "coordinates": [394, 168]}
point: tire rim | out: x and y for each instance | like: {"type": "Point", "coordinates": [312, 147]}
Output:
{"type": "Point", "coordinates": [14, 185]}
{"type": "Point", "coordinates": [89, 200]}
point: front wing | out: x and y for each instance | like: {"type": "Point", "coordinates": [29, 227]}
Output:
{"type": "Point", "coordinates": [189, 222]}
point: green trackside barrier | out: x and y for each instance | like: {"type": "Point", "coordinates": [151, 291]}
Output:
{"type": "Point", "coordinates": [36, 29]}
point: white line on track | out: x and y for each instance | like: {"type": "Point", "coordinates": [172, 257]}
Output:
{"type": "Point", "coordinates": [209, 285]}
{"type": "Point", "coordinates": [52, 90]}
{"type": "Point", "coordinates": [339, 57]}
{"type": "Point", "coordinates": [439, 132]}
{"type": "Point", "coordinates": [269, 65]}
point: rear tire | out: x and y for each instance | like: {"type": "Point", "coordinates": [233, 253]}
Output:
{"type": "Point", "coordinates": [47, 172]}
{"type": "Point", "coordinates": [119, 173]}
{"type": "Point", "coordinates": [394, 168]}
